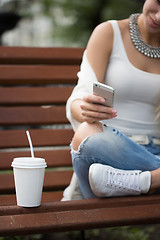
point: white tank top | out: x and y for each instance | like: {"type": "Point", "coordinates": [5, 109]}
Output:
{"type": "Point", "coordinates": [137, 93]}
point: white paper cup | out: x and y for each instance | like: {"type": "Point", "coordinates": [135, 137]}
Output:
{"type": "Point", "coordinates": [28, 177]}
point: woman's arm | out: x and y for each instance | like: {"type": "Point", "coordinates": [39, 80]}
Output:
{"type": "Point", "coordinates": [98, 52]}
{"type": "Point", "coordinates": [99, 49]}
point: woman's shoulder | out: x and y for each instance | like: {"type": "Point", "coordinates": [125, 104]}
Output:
{"type": "Point", "coordinates": [124, 26]}
{"type": "Point", "coordinates": [105, 29]}
{"type": "Point", "coordinates": [102, 34]}
{"type": "Point", "coordinates": [99, 48]}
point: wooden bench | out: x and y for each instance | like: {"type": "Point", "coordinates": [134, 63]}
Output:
{"type": "Point", "coordinates": [34, 86]}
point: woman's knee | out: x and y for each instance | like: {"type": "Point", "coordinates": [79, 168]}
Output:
{"type": "Point", "coordinates": [85, 130]}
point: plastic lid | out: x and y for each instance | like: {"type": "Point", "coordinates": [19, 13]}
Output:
{"type": "Point", "coordinates": [29, 162]}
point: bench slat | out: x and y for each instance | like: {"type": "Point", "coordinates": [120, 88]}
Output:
{"type": "Point", "coordinates": [40, 137]}
{"type": "Point", "coordinates": [86, 204]}
{"type": "Point", "coordinates": [79, 219]}
{"type": "Point", "coordinates": [13, 75]}
{"type": "Point", "coordinates": [34, 96]}
{"type": "Point", "coordinates": [10, 200]}
{"type": "Point", "coordinates": [54, 158]}
{"type": "Point", "coordinates": [34, 115]}
{"type": "Point", "coordinates": [40, 55]}
{"type": "Point", "coordinates": [55, 180]}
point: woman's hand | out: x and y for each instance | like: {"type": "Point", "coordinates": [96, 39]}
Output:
{"type": "Point", "coordinates": [93, 110]}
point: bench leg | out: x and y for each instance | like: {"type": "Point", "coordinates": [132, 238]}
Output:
{"type": "Point", "coordinates": [83, 235]}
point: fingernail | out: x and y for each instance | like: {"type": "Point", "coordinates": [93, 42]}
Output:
{"type": "Point", "coordinates": [102, 100]}
{"type": "Point", "coordinates": [114, 111]}
{"type": "Point", "coordinates": [81, 105]}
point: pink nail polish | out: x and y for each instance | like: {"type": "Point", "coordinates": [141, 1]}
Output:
{"type": "Point", "coordinates": [102, 100]}
{"type": "Point", "coordinates": [114, 111]}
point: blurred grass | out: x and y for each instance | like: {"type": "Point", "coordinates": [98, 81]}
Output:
{"type": "Point", "coordinates": [143, 232]}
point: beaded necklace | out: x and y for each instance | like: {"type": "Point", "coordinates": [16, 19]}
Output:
{"type": "Point", "coordinates": [141, 46]}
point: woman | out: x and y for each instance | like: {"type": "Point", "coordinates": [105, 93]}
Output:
{"type": "Point", "coordinates": [116, 151]}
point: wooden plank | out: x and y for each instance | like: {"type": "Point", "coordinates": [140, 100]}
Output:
{"type": "Point", "coordinates": [53, 181]}
{"type": "Point", "coordinates": [54, 158]}
{"type": "Point", "coordinates": [13, 75]}
{"type": "Point", "coordinates": [34, 115]}
{"type": "Point", "coordinates": [39, 55]}
{"type": "Point", "coordinates": [79, 219]}
{"type": "Point", "coordinates": [85, 204]}
{"type": "Point", "coordinates": [7, 200]}
{"type": "Point", "coordinates": [10, 200]}
{"type": "Point", "coordinates": [34, 95]}
{"type": "Point", "coordinates": [51, 196]}
{"type": "Point", "coordinates": [40, 137]}
{"type": "Point", "coordinates": [57, 180]}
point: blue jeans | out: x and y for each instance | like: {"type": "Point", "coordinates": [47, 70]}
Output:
{"type": "Point", "coordinates": [115, 149]}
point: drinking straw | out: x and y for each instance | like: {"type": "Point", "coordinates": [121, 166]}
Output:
{"type": "Point", "coordinates": [30, 143]}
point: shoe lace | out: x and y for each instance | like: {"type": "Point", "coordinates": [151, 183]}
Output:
{"type": "Point", "coordinates": [126, 180]}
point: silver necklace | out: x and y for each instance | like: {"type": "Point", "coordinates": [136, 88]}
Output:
{"type": "Point", "coordinates": [141, 46]}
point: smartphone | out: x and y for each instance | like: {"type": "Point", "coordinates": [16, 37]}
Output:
{"type": "Point", "coordinates": [104, 91]}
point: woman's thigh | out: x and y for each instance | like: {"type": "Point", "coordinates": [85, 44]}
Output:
{"type": "Point", "coordinates": [113, 148]}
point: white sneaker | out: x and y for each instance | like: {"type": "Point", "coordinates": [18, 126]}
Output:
{"type": "Point", "coordinates": [106, 181]}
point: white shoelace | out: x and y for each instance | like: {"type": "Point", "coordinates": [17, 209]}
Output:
{"type": "Point", "coordinates": [126, 180]}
